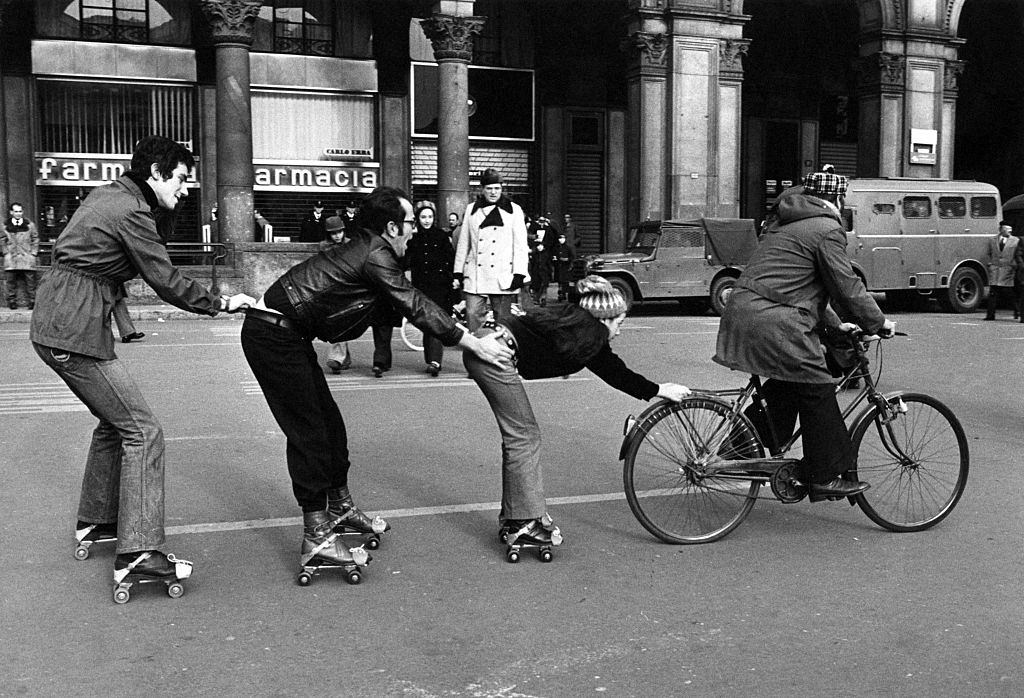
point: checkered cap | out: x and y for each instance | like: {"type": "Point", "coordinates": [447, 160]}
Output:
{"type": "Point", "coordinates": [825, 184]}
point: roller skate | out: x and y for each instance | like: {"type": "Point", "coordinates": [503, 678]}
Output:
{"type": "Point", "coordinates": [349, 520]}
{"type": "Point", "coordinates": [324, 549]}
{"type": "Point", "coordinates": [149, 566]}
{"type": "Point", "coordinates": [89, 534]}
{"type": "Point", "coordinates": [541, 534]}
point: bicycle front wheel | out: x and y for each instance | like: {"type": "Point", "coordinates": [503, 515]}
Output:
{"type": "Point", "coordinates": [669, 472]}
{"type": "Point", "coordinates": [411, 335]}
{"type": "Point", "coordinates": [916, 464]}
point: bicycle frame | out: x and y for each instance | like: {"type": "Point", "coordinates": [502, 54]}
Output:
{"type": "Point", "coordinates": [761, 469]}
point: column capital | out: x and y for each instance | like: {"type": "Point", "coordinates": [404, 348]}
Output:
{"type": "Point", "coordinates": [648, 51]}
{"type": "Point", "coordinates": [951, 77]}
{"type": "Point", "coordinates": [451, 36]}
{"type": "Point", "coordinates": [730, 53]}
{"type": "Point", "coordinates": [884, 72]}
{"type": "Point", "coordinates": [231, 21]}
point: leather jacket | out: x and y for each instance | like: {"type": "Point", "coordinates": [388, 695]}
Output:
{"type": "Point", "coordinates": [339, 292]}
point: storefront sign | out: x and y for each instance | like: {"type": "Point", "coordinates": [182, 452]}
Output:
{"type": "Point", "coordinates": [316, 176]}
{"type": "Point", "coordinates": [54, 169]}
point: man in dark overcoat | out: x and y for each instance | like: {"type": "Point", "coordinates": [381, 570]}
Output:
{"type": "Point", "coordinates": [771, 327]}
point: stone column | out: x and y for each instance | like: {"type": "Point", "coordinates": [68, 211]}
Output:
{"type": "Point", "coordinates": [881, 90]}
{"type": "Point", "coordinates": [4, 177]}
{"type": "Point", "coordinates": [647, 84]}
{"type": "Point", "coordinates": [452, 39]}
{"type": "Point", "coordinates": [232, 23]}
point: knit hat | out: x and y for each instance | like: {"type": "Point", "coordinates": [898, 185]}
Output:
{"type": "Point", "coordinates": [599, 298]}
{"type": "Point", "coordinates": [490, 176]}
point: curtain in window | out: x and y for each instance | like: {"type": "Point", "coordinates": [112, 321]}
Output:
{"type": "Point", "coordinates": [289, 126]}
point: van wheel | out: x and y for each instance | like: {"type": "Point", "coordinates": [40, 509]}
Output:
{"type": "Point", "coordinates": [964, 292]}
{"type": "Point", "coordinates": [721, 289]}
{"type": "Point", "coordinates": [624, 288]}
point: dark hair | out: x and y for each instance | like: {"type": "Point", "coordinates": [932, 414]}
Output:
{"type": "Point", "coordinates": [1001, 223]}
{"type": "Point", "coordinates": [381, 205]}
{"type": "Point", "coordinates": [16, 203]}
{"type": "Point", "coordinates": [167, 155]}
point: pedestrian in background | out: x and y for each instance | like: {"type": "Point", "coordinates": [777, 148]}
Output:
{"type": "Point", "coordinates": [19, 238]}
{"type": "Point", "coordinates": [563, 256]}
{"type": "Point", "coordinates": [113, 237]}
{"type": "Point", "coordinates": [540, 264]}
{"type": "Point", "coordinates": [1018, 280]}
{"type": "Point", "coordinates": [1000, 257]}
{"type": "Point", "coordinates": [429, 256]}
{"type": "Point", "coordinates": [123, 318]}
{"type": "Point", "coordinates": [453, 226]}
{"type": "Point", "coordinates": [492, 253]}
{"type": "Point", "coordinates": [569, 228]}
{"type": "Point", "coordinates": [313, 226]}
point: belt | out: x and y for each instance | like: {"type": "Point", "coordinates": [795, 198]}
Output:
{"type": "Point", "coordinates": [505, 335]}
{"type": "Point", "coordinates": [276, 319]}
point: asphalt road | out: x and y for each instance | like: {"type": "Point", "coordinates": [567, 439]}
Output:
{"type": "Point", "coordinates": [800, 600]}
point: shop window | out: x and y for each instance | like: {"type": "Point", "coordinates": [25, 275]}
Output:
{"type": "Point", "coordinates": [299, 126]}
{"type": "Point", "coordinates": [97, 117]}
{"type": "Point", "coordinates": [122, 21]}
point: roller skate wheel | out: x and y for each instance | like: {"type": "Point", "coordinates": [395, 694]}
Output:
{"type": "Point", "coordinates": [546, 556]}
{"type": "Point", "coordinates": [353, 577]}
{"type": "Point", "coordinates": [373, 543]}
{"type": "Point", "coordinates": [304, 579]}
{"type": "Point", "coordinates": [81, 553]}
{"type": "Point", "coordinates": [121, 595]}
{"type": "Point", "coordinates": [512, 556]}
{"type": "Point", "coordinates": [175, 590]}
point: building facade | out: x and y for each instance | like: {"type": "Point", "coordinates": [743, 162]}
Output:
{"type": "Point", "coordinates": [614, 111]}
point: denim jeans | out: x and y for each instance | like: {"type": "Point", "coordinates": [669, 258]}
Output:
{"type": "Point", "coordinates": [286, 367]}
{"type": "Point", "coordinates": [124, 471]}
{"type": "Point", "coordinates": [477, 307]}
{"type": "Point", "coordinates": [522, 484]}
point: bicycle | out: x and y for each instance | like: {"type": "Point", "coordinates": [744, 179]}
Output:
{"type": "Point", "coordinates": [412, 336]}
{"type": "Point", "coordinates": [692, 470]}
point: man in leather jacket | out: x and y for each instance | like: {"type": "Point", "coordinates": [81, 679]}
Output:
{"type": "Point", "coordinates": [335, 296]}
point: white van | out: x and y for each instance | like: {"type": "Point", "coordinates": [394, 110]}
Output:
{"type": "Point", "coordinates": [914, 237]}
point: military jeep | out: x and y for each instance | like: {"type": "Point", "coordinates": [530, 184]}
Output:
{"type": "Point", "coordinates": [677, 259]}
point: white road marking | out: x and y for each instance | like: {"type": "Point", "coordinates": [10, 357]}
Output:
{"type": "Point", "coordinates": [393, 382]}
{"type": "Point", "coordinates": [387, 514]}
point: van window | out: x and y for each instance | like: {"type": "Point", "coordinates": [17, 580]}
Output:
{"type": "Point", "coordinates": [952, 207]}
{"type": "Point", "coordinates": [983, 207]}
{"type": "Point", "coordinates": [884, 208]}
{"type": "Point", "coordinates": [917, 207]}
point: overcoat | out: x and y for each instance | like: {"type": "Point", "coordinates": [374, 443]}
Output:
{"type": "Point", "coordinates": [492, 247]}
{"type": "Point", "coordinates": [1001, 263]}
{"type": "Point", "coordinates": [20, 244]}
{"type": "Point", "coordinates": [771, 323]}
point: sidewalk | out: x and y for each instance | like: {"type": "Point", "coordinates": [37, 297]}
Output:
{"type": "Point", "coordinates": [138, 312]}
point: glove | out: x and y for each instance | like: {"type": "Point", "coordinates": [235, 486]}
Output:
{"type": "Point", "coordinates": [517, 282]}
{"type": "Point", "coordinates": [457, 276]}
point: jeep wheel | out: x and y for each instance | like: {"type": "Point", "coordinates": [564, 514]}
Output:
{"type": "Point", "coordinates": [964, 292]}
{"type": "Point", "coordinates": [624, 288]}
{"type": "Point", "coordinates": [721, 289]}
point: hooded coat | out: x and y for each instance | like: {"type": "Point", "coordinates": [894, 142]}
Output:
{"type": "Point", "coordinates": [770, 326]}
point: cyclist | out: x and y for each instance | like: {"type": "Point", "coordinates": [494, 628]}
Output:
{"type": "Point", "coordinates": [771, 327]}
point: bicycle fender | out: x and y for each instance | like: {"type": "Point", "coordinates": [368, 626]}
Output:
{"type": "Point", "coordinates": [629, 428]}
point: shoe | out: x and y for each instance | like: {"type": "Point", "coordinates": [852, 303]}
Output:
{"type": "Point", "coordinates": [989, 318]}
{"type": "Point", "coordinates": [836, 489]}
{"type": "Point", "coordinates": [12, 306]}
{"type": "Point", "coordinates": [346, 363]}
{"type": "Point", "coordinates": [378, 372]}
{"type": "Point", "coordinates": [433, 368]}
{"type": "Point", "coordinates": [132, 337]}
{"type": "Point", "coordinates": [31, 306]}
{"type": "Point", "coordinates": [334, 366]}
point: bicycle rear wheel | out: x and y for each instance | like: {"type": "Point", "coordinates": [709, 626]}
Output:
{"type": "Point", "coordinates": [667, 470]}
{"type": "Point", "coordinates": [412, 336]}
{"type": "Point", "coordinates": [916, 465]}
